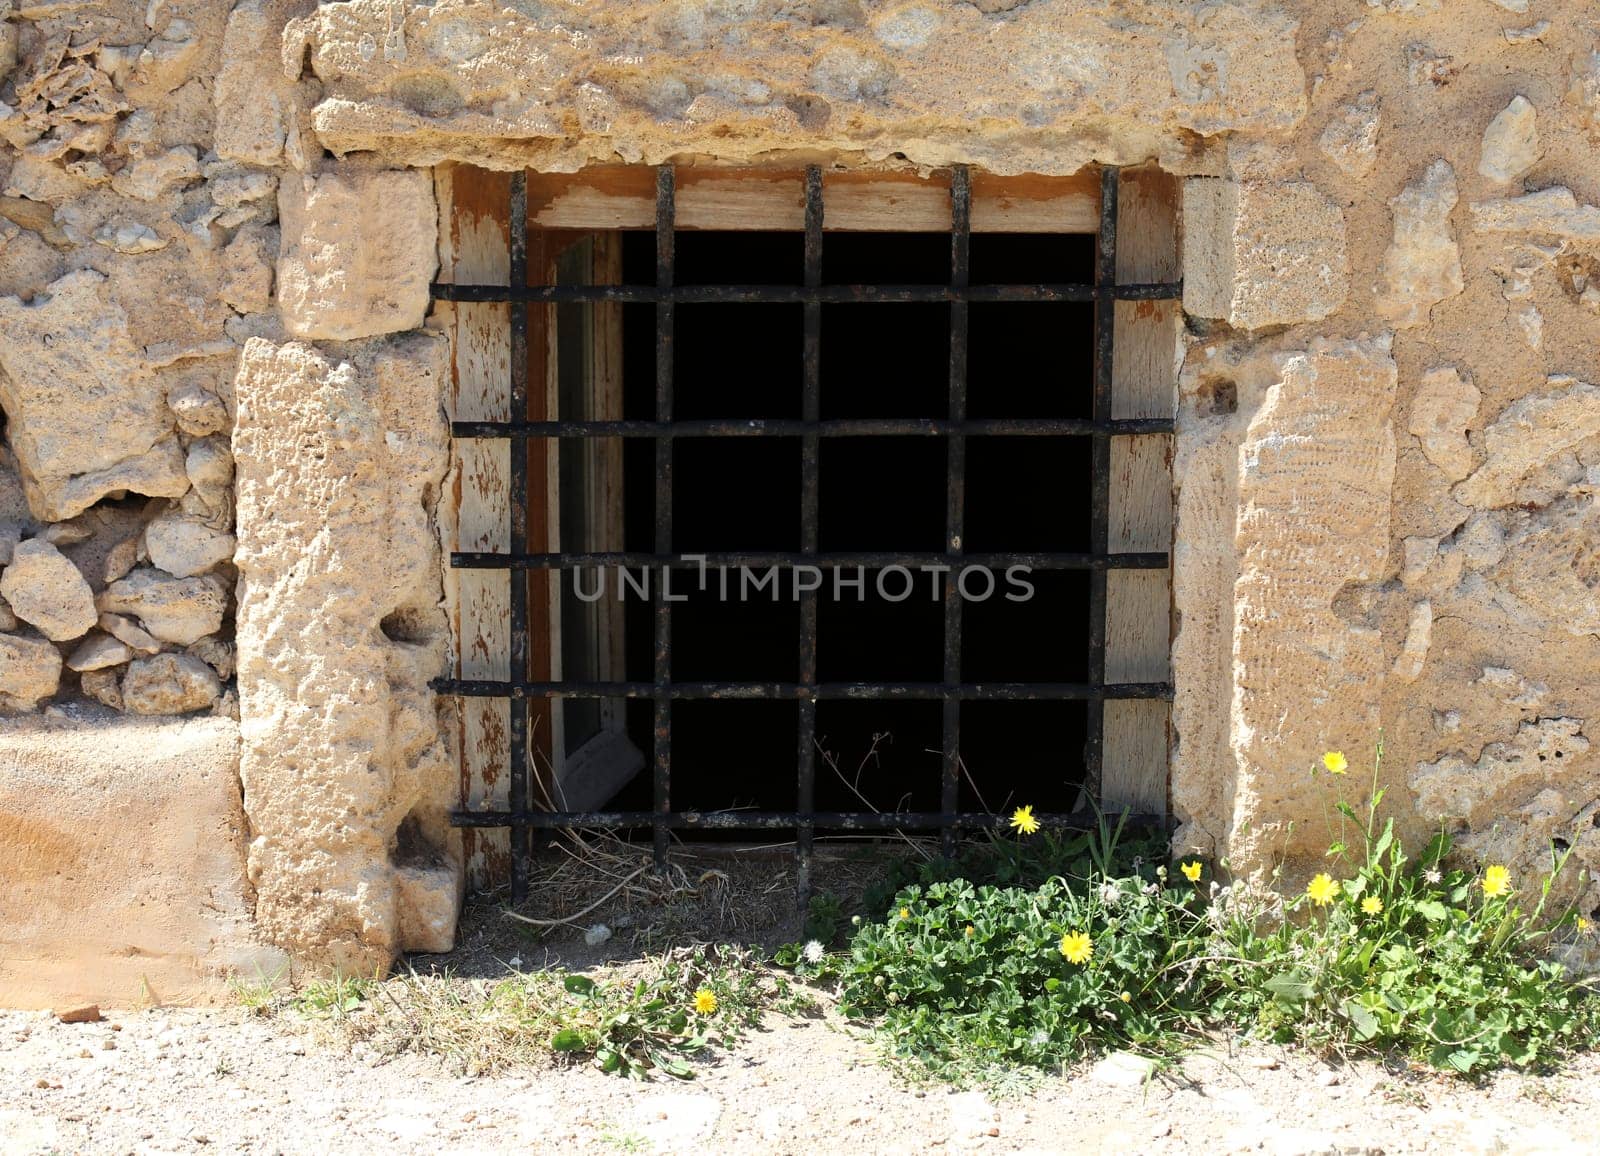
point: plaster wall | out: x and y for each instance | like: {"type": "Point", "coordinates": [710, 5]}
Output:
{"type": "Point", "coordinates": [216, 232]}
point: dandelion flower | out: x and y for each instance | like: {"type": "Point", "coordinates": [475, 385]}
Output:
{"type": "Point", "coordinates": [1191, 871]}
{"type": "Point", "coordinates": [1336, 763]}
{"type": "Point", "coordinates": [1322, 889]}
{"type": "Point", "coordinates": [1076, 946]}
{"type": "Point", "coordinates": [1582, 925]}
{"type": "Point", "coordinates": [1125, 997]}
{"type": "Point", "coordinates": [1022, 820]}
{"type": "Point", "coordinates": [1432, 875]}
{"type": "Point", "coordinates": [811, 952]}
{"type": "Point", "coordinates": [705, 1002]}
{"type": "Point", "coordinates": [1372, 905]}
{"type": "Point", "coordinates": [905, 913]}
{"type": "Point", "coordinates": [1496, 881]}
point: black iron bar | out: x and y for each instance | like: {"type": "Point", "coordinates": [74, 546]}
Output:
{"type": "Point", "coordinates": [831, 428]}
{"type": "Point", "coordinates": [517, 787]}
{"type": "Point", "coordinates": [956, 492]}
{"type": "Point", "coordinates": [798, 294]}
{"type": "Point", "coordinates": [811, 414]}
{"type": "Point", "coordinates": [1100, 472]}
{"type": "Point", "coordinates": [666, 213]}
{"type": "Point", "coordinates": [899, 691]}
{"type": "Point", "coordinates": [577, 560]}
{"type": "Point", "coordinates": [783, 820]}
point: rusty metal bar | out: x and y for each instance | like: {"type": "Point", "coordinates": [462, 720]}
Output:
{"type": "Point", "coordinates": [811, 414]}
{"type": "Point", "coordinates": [661, 755]}
{"type": "Point", "coordinates": [784, 820]}
{"type": "Point", "coordinates": [897, 691]}
{"type": "Point", "coordinates": [517, 787]}
{"type": "Point", "coordinates": [1100, 472]}
{"type": "Point", "coordinates": [956, 493]}
{"type": "Point", "coordinates": [799, 294]}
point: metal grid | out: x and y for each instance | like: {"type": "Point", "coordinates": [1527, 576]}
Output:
{"type": "Point", "coordinates": [951, 692]}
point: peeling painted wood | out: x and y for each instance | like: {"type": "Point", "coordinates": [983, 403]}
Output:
{"type": "Point", "coordinates": [1139, 603]}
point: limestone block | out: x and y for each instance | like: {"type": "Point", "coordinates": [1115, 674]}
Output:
{"type": "Point", "coordinates": [1414, 652]}
{"type": "Point", "coordinates": [1526, 435]}
{"type": "Point", "coordinates": [1316, 475]}
{"type": "Point", "coordinates": [184, 547]}
{"type": "Point", "coordinates": [123, 859]}
{"type": "Point", "coordinates": [339, 455]}
{"type": "Point", "coordinates": [1511, 142]}
{"type": "Point", "coordinates": [152, 177]}
{"type": "Point", "coordinates": [30, 672]}
{"type": "Point", "coordinates": [85, 416]}
{"type": "Point", "coordinates": [1441, 411]}
{"type": "Point", "coordinates": [1552, 212]}
{"type": "Point", "coordinates": [358, 252]}
{"type": "Point", "coordinates": [1423, 265]}
{"type": "Point", "coordinates": [48, 592]}
{"type": "Point", "coordinates": [1547, 568]}
{"type": "Point", "coordinates": [180, 610]}
{"type": "Point", "coordinates": [97, 652]}
{"type": "Point", "coordinates": [247, 270]}
{"type": "Point", "coordinates": [126, 631]}
{"type": "Point", "coordinates": [1063, 82]}
{"type": "Point", "coordinates": [1351, 138]}
{"type": "Point", "coordinates": [254, 102]}
{"type": "Point", "coordinates": [169, 684]}
{"type": "Point", "coordinates": [216, 653]}
{"type": "Point", "coordinates": [1262, 253]}
{"type": "Point", "coordinates": [104, 686]}
{"type": "Point", "coordinates": [1480, 791]}
{"type": "Point", "coordinates": [198, 411]}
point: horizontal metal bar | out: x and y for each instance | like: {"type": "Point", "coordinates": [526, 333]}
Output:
{"type": "Point", "coordinates": [478, 560]}
{"type": "Point", "coordinates": [779, 820]}
{"type": "Point", "coordinates": [798, 294]}
{"type": "Point", "coordinates": [830, 428]}
{"type": "Point", "coordinates": [903, 691]}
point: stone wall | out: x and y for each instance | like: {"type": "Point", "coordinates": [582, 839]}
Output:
{"type": "Point", "coordinates": [217, 228]}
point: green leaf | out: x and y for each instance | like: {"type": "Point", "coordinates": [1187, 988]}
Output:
{"type": "Point", "coordinates": [1289, 988]}
{"type": "Point", "coordinates": [1432, 910]}
{"type": "Point", "coordinates": [1362, 1020]}
{"type": "Point", "coordinates": [578, 984]}
{"type": "Point", "coordinates": [567, 1040]}
{"type": "Point", "coordinates": [608, 1059]}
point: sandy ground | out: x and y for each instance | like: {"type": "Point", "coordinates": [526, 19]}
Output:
{"type": "Point", "coordinates": [181, 1081]}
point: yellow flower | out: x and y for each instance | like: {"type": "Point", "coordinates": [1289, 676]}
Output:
{"type": "Point", "coordinates": [1336, 763]}
{"type": "Point", "coordinates": [1125, 997]}
{"type": "Point", "coordinates": [1372, 905]}
{"type": "Point", "coordinates": [705, 1002]}
{"type": "Point", "coordinates": [1496, 881]}
{"type": "Point", "coordinates": [1022, 820]}
{"type": "Point", "coordinates": [1322, 889]}
{"type": "Point", "coordinates": [1191, 871]}
{"type": "Point", "coordinates": [905, 913]}
{"type": "Point", "coordinates": [971, 931]}
{"type": "Point", "coordinates": [1582, 925]}
{"type": "Point", "coordinates": [1075, 945]}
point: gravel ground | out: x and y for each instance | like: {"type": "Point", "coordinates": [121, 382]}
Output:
{"type": "Point", "coordinates": [181, 1081]}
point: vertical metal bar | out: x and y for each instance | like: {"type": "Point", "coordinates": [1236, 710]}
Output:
{"type": "Point", "coordinates": [811, 408]}
{"type": "Point", "coordinates": [662, 787]}
{"type": "Point", "coordinates": [1105, 280]}
{"type": "Point", "coordinates": [520, 837]}
{"type": "Point", "coordinates": [955, 509]}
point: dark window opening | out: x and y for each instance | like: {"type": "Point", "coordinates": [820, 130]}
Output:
{"type": "Point", "coordinates": [900, 411]}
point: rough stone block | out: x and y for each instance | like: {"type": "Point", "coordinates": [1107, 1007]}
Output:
{"type": "Point", "coordinates": [1316, 480]}
{"type": "Point", "coordinates": [1423, 264]}
{"type": "Point", "coordinates": [85, 416]}
{"type": "Point", "coordinates": [358, 252]}
{"type": "Point", "coordinates": [122, 851]}
{"type": "Point", "coordinates": [340, 454]}
{"type": "Point", "coordinates": [1262, 253]}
